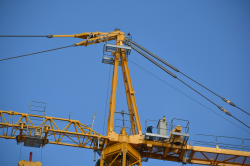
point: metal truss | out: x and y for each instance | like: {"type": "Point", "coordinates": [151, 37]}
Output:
{"type": "Point", "coordinates": [57, 131]}
{"type": "Point", "coordinates": [93, 37]}
{"type": "Point", "coordinates": [116, 149]}
{"type": "Point", "coordinates": [193, 154]}
{"type": "Point", "coordinates": [76, 134]}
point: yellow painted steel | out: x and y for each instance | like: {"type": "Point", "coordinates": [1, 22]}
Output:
{"type": "Point", "coordinates": [117, 149]}
{"type": "Point", "coordinates": [128, 94]}
{"type": "Point", "coordinates": [131, 92]}
{"type": "Point", "coordinates": [198, 155]}
{"type": "Point", "coordinates": [29, 163]}
{"type": "Point", "coordinates": [135, 122]}
{"type": "Point", "coordinates": [73, 134]}
{"type": "Point", "coordinates": [97, 37]}
{"type": "Point", "coordinates": [113, 95]}
{"type": "Point", "coordinates": [121, 153]}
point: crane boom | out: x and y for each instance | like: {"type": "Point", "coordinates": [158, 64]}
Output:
{"type": "Point", "coordinates": [71, 133]}
{"type": "Point", "coordinates": [12, 127]}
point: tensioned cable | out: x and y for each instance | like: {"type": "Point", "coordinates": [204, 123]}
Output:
{"type": "Point", "coordinates": [241, 109]}
{"type": "Point", "coordinates": [106, 100]}
{"type": "Point", "coordinates": [173, 75]}
{"type": "Point", "coordinates": [48, 36]}
{"type": "Point", "coordinates": [20, 152]}
{"type": "Point", "coordinates": [213, 102]}
{"type": "Point", "coordinates": [224, 99]}
{"type": "Point", "coordinates": [41, 155]}
{"type": "Point", "coordinates": [177, 70]}
{"type": "Point", "coordinates": [37, 52]}
{"type": "Point", "coordinates": [240, 121]}
{"type": "Point", "coordinates": [188, 96]}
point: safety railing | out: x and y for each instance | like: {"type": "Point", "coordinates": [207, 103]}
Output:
{"type": "Point", "coordinates": [167, 133]}
{"type": "Point", "coordinates": [167, 129]}
{"type": "Point", "coordinates": [181, 122]}
{"type": "Point", "coordinates": [109, 51]}
{"type": "Point", "coordinates": [222, 141]}
{"type": "Point", "coordinates": [33, 137]}
{"type": "Point", "coordinates": [120, 126]}
{"type": "Point", "coordinates": [36, 108]}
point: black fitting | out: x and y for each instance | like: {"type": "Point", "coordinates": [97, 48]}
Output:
{"type": "Point", "coordinates": [154, 62]}
{"type": "Point", "coordinates": [221, 108]}
{"type": "Point", "coordinates": [126, 42]}
{"type": "Point", "coordinates": [229, 102]}
{"type": "Point", "coordinates": [232, 104]}
{"type": "Point", "coordinates": [224, 99]}
{"type": "Point", "coordinates": [228, 113]}
{"type": "Point", "coordinates": [49, 36]}
{"type": "Point", "coordinates": [150, 53]}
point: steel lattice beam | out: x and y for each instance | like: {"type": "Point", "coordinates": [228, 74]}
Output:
{"type": "Point", "coordinates": [73, 133]}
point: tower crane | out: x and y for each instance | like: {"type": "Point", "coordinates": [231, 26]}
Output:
{"type": "Point", "coordinates": [118, 148]}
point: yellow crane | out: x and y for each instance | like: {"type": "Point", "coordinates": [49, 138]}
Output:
{"type": "Point", "coordinates": [118, 148]}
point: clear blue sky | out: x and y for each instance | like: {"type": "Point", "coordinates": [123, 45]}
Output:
{"type": "Point", "coordinates": [207, 40]}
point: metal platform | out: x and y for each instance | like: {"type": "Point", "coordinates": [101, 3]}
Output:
{"type": "Point", "coordinates": [32, 141]}
{"type": "Point", "coordinates": [107, 48]}
{"type": "Point", "coordinates": [179, 134]}
{"type": "Point", "coordinates": [183, 138]}
{"type": "Point", "coordinates": [112, 47]}
{"type": "Point", "coordinates": [109, 60]}
{"type": "Point", "coordinates": [33, 137]}
{"type": "Point", "coordinates": [156, 136]}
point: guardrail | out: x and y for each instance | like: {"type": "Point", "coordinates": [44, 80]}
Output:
{"type": "Point", "coordinates": [121, 126]}
{"type": "Point", "coordinates": [212, 141]}
{"type": "Point", "coordinates": [184, 125]}
{"type": "Point", "coordinates": [167, 123]}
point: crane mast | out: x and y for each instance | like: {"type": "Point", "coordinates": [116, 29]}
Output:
{"type": "Point", "coordinates": [117, 148]}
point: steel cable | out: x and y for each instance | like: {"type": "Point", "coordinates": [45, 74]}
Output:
{"type": "Point", "coordinates": [48, 36]}
{"type": "Point", "coordinates": [212, 102]}
{"type": "Point", "coordinates": [199, 84]}
{"type": "Point", "coordinates": [36, 52]}
{"type": "Point", "coordinates": [231, 103]}
{"type": "Point", "coordinates": [163, 68]}
{"type": "Point", "coordinates": [242, 110]}
{"type": "Point", "coordinates": [157, 64]}
{"type": "Point", "coordinates": [41, 155]}
{"type": "Point", "coordinates": [177, 70]}
{"type": "Point", "coordinates": [197, 92]}
{"type": "Point", "coordinates": [20, 151]}
{"type": "Point", "coordinates": [106, 99]}
{"type": "Point", "coordinates": [189, 96]}
{"type": "Point", "coordinates": [240, 121]}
